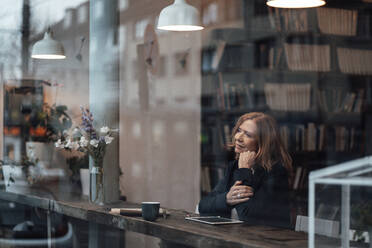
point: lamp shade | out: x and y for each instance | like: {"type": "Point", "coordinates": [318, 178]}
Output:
{"type": "Point", "coordinates": [295, 3]}
{"type": "Point", "coordinates": [48, 48]}
{"type": "Point", "coordinates": [179, 16]}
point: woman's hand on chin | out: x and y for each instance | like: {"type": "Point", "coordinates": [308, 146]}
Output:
{"type": "Point", "coordinates": [238, 193]}
{"type": "Point", "coordinates": [247, 159]}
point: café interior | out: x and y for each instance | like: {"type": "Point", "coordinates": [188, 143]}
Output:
{"type": "Point", "coordinates": [107, 104]}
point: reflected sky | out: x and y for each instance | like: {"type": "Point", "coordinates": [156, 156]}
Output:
{"type": "Point", "coordinates": [48, 12]}
{"type": "Point", "coordinates": [44, 13]}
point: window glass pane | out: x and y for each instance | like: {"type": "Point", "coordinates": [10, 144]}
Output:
{"type": "Point", "coordinates": [147, 114]}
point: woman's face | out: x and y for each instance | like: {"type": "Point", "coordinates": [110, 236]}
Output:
{"type": "Point", "coordinates": [245, 137]}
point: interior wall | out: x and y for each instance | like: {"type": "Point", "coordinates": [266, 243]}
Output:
{"type": "Point", "coordinates": [69, 77]}
{"type": "Point", "coordinates": [159, 114]}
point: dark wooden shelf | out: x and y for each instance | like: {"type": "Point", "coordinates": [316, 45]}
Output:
{"type": "Point", "coordinates": [239, 36]}
{"type": "Point", "coordinates": [285, 73]}
{"type": "Point", "coordinates": [294, 116]}
{"type": "Point", "coordinates": [327, 118]}
{"type": "Point", "coordinates": [347, 4]}
{"type": "Point", "coordinates": [215, 165]}
{"type": "Point", "coordinates": [322, 38]}
{"type": "Point", "coordinates": [213, 158]}
{"type": "Point", "coordinates": [341, 118]}
{"type": "Point", "coordinates": [320, 159]}
{"type": "Point", "coordinates": [231, 112]}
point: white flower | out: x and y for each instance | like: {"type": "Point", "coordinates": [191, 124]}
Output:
{"type": "Point", "coordinates": [72, 145]}
{"type": "Point", "coordinates": [75, 145]}
{"type": "Point", "coordinates": [94, 142]}
{"type": "Point", "coordinates": [108, 139]}
{"type": "Point", "coordinates": [68, 144]}
{"type": "Point", "coordinates": [59, 144]}
{"type": "Point", "coordinates": [84, 142]}
{"type": "Point", "coordinates": [75, 131]}
{"type": "Point", "coordinates": [105, 130]}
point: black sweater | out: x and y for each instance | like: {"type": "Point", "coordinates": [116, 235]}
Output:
{"type": "Point", "coordinates": [268, 206]}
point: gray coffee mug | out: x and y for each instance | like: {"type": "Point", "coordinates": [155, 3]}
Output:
{"type": "Point", "coordinates": [150, 210]}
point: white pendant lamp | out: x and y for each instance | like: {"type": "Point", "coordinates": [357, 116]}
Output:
{"type": "Point", "coordinates": [295, 4]}
{"type": "Point", "coordinates": [179, 16]}
{"type": "Point", "coordinates": [48, 48]}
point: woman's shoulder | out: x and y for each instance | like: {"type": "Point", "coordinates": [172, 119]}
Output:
{"type": "Point", "coordinates": [278, 169]}
{"type": "Point", "coordinates": [278, 177]}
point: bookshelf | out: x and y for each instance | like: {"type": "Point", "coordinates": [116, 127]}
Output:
{"type": "Point", "coordinates": [312, 76]}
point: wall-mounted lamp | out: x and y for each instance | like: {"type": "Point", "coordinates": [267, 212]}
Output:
{"type": "Point", "coordinates": [295, 3]}
{"type": "Point", "coordinates": [179, 16]}
{"type": "Point", "coordinates": [48, 48]}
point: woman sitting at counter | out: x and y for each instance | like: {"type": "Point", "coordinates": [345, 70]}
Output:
{"type": "Point", "coordinates": [256, 183]}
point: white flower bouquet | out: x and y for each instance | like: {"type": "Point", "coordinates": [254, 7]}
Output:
{"type": "Point", "coordinates": [86, 139]}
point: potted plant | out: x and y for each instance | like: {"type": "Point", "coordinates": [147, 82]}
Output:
{"type": "Point", "coordinates": [17, 174]}
{"type": "Point", "coordinates": [46, 124]}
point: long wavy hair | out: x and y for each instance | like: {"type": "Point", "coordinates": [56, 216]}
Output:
{"type": "Point", "coordinates": [270, 146]}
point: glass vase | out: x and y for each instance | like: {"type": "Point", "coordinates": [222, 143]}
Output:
{"type": "Point", "coordinates": [96, 192]}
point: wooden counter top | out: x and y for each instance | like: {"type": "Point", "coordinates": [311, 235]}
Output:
{"type": "Point", "coordinates": [174, 228]}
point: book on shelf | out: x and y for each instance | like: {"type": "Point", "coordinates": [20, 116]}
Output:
{"type": "Point", "coordinates": [344, 138]}
{"type": "Point", "coordinates": [220, 92]}
{"type": "Point", "coordinates": [300, 137]}
{"type": "Point", "coordinates": [319, 137]}
{"type": "Point", "coordinates": [235, 99]}
{"type": "Point", "coordinates": [234, 95]}
{"type": "Point", "coordinates": [289, 19]}
{"type": "Point", "coordinates": [349, 102]}
{"type": "Point", "coordinates": [304, 57]}
{"type": "Point", "coordinates": [216, 59]}
{"type": "Point", "coordinates": [288, 97]}
{"type": "Point", "coordinates": [300, 179]}
{"type": "Point", "coordinates": [355, 61]}
{"type": "Point", "coordinates": [359, 101]}
{"type": "Point", "coordinates": [275, 55]}
{"type": "Point", "coordinates": [352, 139]}
{"type": "Point", "coordinates": [284, 134]}
{"type": "Point", "coordinates": [227, 133]}
{"type": "Point", "coordinates": [207, 57]}
{"type": "Point", "coordinates": [337, 21]}
{"type": "Point", "coordinates": [297, 176]}
{"type": "Point", "coordinates": [217, 138]}
{"type": "Point", "coordinates": [338, 100]}
{"type": "Point", "coordinates": [240, 96]}
{"type": "Point", "coordinates": [312, 135]}
{"type": "Point", "coordinates": [226, 92]}
{"type": "Point", "coordinates": [205, 179]}
{"type": "Point", "coordinates": [304, 179]}
{"type": "Point", "coordinates": [321, 130]}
